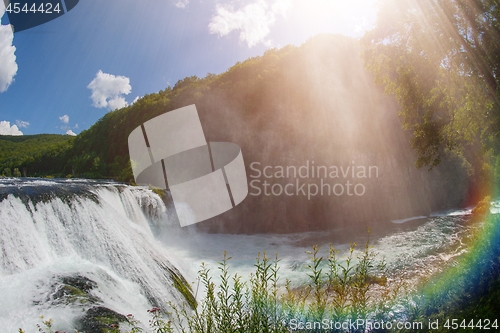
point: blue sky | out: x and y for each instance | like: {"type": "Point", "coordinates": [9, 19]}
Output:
{"type": "Point", "coordinates": [62, 76]}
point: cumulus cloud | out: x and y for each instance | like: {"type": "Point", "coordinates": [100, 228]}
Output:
{"type": "Point", "coordinates": [135, 100]}
{"type": "Point", "coordinates": [181, 3]}
{"type": "Point", "coordinates": [8, 65]}
{"type": "Point", "coordinates": [254, 20]}
{"type": "Point", "coordinates": [64, 119]}
{"type": "Point", "coordinates": [70, 132]}
{"type": "Point", "coordinates": [21, 123]}
{"type": "Point", "coordinates": [117, 102]}
{"type": "Point", "coordinates": [6, 129]}
{"type": "Point", "coordinates": [107, 90]}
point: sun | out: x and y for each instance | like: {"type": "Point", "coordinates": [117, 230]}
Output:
{"type": "Point", "coordinates": [351, 18]}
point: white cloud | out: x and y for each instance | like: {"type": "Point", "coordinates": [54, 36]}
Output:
{"type": "Point", "coordinates": [70, 132]}
{"type": "Point", "coordinates": [6, 129]}
{"type": "Point", "coordinates": [181, 3]}
{"type": "Point", "coordinates": [76, 125]}
{"type": "Point", "coordinates": [254, 20]}
{"type": "Point", "coordinates": [64, 119]}
{"type": "Point", "coordinates": [8, 65]}
{"type": "Point", "coordinates": [117, 102]}
{"type": "Point", "coordinates": [21, 123]}
{"type": "Point", "coordinates": [107, 90]}
{"type": "Point", "coordinates": [135, 100]}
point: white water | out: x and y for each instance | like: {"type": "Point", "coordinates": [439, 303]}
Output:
{"type": "Point", "coordinates": [409, 219]}
{"type": "Point", "coordinates": [427, 245]}
{"type": "Point", "coordinates": [114, 235]}
{"type": "Point", "coordinates": [450, 212]}
{"type": "Point", "coordinates": [109, 242]}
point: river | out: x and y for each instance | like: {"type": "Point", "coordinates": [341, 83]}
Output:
{"type": "Point", "coordinates": [122, 240]}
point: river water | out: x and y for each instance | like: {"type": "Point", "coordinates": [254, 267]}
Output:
{"type": "Point", "coordinates": [123, 239]}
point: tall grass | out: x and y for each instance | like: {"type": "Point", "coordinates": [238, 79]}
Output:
{"type": "Point", "coordinates": [337, 289]}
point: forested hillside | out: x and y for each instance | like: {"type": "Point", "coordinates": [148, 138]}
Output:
{"type": "Point", "coordinates": [16, 152]}
{"type": "Point", "coordinates": [313, 103]}
{"type": "Point", "coordinates": [102, 151]}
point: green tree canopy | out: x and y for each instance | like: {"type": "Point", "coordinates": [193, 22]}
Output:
{"type": "Point", "coordinates": [441, 59]}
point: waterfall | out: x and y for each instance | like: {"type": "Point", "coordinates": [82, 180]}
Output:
{"type": "Point", "coordinates": [73, 250]}
{"type": "Point", "coordinates": [70, 247]}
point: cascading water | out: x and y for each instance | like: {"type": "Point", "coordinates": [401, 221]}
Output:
{"type": "Point", "coordinates": [74, 247]}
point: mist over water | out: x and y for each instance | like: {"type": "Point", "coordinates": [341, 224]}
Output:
{"type": "Point", "coordinates": [415, 248]}
{"type": "Point", "coordinates": [93, 234]}
{"type": "Point", "coordinates": [317, 103]}
{"type": "Point", "coordinates": [125, 241]}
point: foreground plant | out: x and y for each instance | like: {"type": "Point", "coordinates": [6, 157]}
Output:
{"type": "Point", "coordinates": [336, 290]}
{"type": "Point", "coordinates": [261, 304]}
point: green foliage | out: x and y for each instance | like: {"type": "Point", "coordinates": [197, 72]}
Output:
{"type": "Point", "coordinates": [440, 58]}
{"type": "Point", "coordinates": [7, 172]}
{"type": "Point", "coordinates": [263, 305]}
{"type": "Point", "coordinates": [102, 150]}
{"type": "Point", "coordinates": [186, 82]}
{"type": "Point", "coordinates": [184, 288]}
{"type": "Point", "coordinates": [257, 88]}
{"type": "Point", "coordinates": [16, 173]}
{"type": "Point", "coordinates": [160, 192]}
{"type": "Point", "coordinates": [339, 289]}
{"type": "Point", "coordinates": [20, 151]}
{"type": "Point", "coordinates": [157, 323]}
{"type": "Point", "coordinates": [319, 290]}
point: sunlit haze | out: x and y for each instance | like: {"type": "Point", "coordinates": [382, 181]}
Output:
{"type": "Point", "coordinates": [52, 71]}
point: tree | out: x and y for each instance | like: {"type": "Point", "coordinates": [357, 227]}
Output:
{"type": "Point", "coordinates": [16, 173]}
{"type": "Point", "coordinates": [441, 59]}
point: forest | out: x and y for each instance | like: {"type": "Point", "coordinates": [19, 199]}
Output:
{"type": "Point", "coordinates": [17, 151]}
